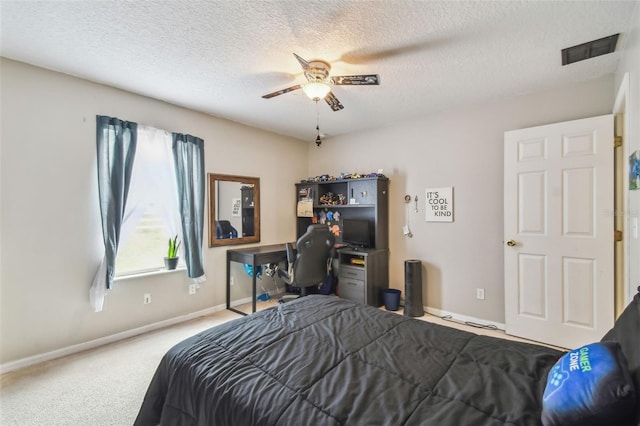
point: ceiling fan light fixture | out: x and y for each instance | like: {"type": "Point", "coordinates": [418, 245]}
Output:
{"type": "Point", "coordinates": [316, 90]}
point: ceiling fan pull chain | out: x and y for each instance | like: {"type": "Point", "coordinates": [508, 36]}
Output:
{"type": "Point", "coordinates": [318, 140]}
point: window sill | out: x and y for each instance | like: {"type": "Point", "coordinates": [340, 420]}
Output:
{"type": "Point", "coordinates": [148, 274]}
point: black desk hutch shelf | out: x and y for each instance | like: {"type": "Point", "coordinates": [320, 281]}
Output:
{"type": "Point", "coordinates": [364, 198]}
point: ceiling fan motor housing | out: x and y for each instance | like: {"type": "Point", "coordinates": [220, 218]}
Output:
{"type": "Point", "coordinates": [318, 71]}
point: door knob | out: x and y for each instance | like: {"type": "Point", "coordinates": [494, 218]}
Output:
{"type": "Point", "coordinates": [511, 243]}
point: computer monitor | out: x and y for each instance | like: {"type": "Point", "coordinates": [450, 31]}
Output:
{"type": "Point", "coordinates": [355, 233]}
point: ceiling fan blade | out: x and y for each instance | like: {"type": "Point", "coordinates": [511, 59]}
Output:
{"type": "Point", "coordinates": [282, 92]}
{"type": "Point", "coordinates": [356, 80]}
{"type": "Point", "coordinates": [303, 62]}
{"type": "Point", "coordinates": [333, 102]}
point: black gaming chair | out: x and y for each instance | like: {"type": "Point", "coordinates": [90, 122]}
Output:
{"type": "Point", "coordinates": [225, 230]}
{"type": "Point", "coordinates": [310, 265]}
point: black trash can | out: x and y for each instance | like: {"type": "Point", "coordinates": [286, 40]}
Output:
{"type": "Point", "coordinates": [413, 306]}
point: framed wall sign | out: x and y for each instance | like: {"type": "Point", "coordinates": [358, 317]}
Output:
{"type": "Point", "coordinates": [235, 206]}
{"type": "Point", "coordinates": [439, 204]}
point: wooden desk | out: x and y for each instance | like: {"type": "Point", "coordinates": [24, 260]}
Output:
{"type": "Point", "coordinates": [253, 256]}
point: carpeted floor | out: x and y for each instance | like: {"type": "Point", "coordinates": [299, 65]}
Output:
{"type": "Point", "coordinates": [105, 386]}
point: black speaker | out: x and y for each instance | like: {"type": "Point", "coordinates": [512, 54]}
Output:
{"type": "Point", "coordinates": [413, 288]}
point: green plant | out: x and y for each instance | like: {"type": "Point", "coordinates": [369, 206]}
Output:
{"type": "Point", "coordinates": [173, 247]}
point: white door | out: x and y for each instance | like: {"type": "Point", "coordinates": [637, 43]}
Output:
{"type": "Point", "coordinates": [559, 231]}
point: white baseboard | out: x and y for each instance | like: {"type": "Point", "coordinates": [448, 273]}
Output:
{"type": "Point", "coordinates": [463, 318]}
{"type": "Point", "coordinates": [70, 350]}
{"type": "Point", "coordinates": [239, 302]}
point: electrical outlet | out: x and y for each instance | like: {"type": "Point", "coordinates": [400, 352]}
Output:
{"type": "Point", "coordinates": [193, 288]}
{"type": "Point", "coordinates": [480, 293]}
{"type": "Point", "coordinates": [147, 298]}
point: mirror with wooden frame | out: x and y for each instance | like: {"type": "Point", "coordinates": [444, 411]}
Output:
{"type": "Point", "coordinates": [234, 209]}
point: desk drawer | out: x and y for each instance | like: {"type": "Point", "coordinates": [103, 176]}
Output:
{"type": "Point", "coordinates": [351, 289]}
{"type": "Point", "coordinates": [354, 273]}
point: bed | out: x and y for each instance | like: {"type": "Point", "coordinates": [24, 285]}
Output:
{"type": "Point", "coordinates": [322, 360]}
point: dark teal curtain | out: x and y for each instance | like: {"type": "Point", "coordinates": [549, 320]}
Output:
{"type": "Point", "coordinates": [189, 164]}
{"type": "Point", "coordinates": [116, 147]}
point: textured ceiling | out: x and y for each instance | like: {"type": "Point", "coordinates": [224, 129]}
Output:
{"type": "Point", "coordinates": [220, 57]}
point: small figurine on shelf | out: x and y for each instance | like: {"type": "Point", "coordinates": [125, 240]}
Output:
{"type": "Point", "coordinates": [327, 199]}
{"type": "Point", "coordinates": [322, 217]}
{"type": "Point", "coordinates": [342, 199]}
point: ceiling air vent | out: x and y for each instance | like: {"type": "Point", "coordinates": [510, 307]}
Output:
{"type": "Point", "coordinates": [589, 50]}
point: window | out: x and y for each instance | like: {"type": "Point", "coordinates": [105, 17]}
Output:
{"type": "Point", "coordinates": [146, 247]}
{"type": "Point", "coordinates": [151, 214]}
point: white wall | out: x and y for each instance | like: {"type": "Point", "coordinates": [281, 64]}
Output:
{"type": "Point", "coordinates": [462, 149]}
{"type": "Point", "coordinates": [630, 65]}
{"type": "Point", "coordinates": [49, 219]}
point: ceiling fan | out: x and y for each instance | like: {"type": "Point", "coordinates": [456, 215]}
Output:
{"type": "Point", "coordinates": [319, 81]}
